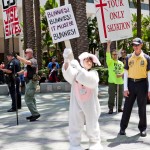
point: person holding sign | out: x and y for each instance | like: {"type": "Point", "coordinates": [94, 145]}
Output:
{"type": "Point", "coordinates": [137, 70]}
{"type": "Point", "coordinates": [115, 71]}
{"type": "Point", "coordinates": [84, 103]}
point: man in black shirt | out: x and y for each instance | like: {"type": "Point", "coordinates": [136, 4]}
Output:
{"type": "Point", "coordinates": [30, 71]}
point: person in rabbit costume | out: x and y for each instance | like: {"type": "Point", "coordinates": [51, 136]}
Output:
{"type": "Point", "coordinates": [84, 103]}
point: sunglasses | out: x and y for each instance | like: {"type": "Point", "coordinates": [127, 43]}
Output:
{"type": "Point", "coordinates": [26, 52]}
{"type": "Point", "coordinates": [115, 54]}
{"type": "Point", "coordinates": [135, 45]}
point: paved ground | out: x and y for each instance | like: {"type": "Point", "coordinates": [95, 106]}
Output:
{"type": "Point", "coordinates": [50, 132]}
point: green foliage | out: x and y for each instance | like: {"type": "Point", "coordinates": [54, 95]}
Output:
{"type": "Point", "coordinates": [46, 38]}
{"type": "Point", "coordinates": [145, 23]}
{"type": "Point", "coordinates": [44, 70]}
{"type": "Point", "coordinates": [103, 74]}
{"type": "Point", "coordinates": [50, 4]}
{"type": "Point", "coordinates": [93, 35]}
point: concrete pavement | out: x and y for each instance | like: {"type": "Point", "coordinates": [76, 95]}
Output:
{"type": "Point", "coordinates": [50, 132]}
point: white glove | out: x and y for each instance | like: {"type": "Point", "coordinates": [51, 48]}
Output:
{"type": "Point", "coordinates": [68, 55]}
{"type": "Point", "coordinates": [75, 64]}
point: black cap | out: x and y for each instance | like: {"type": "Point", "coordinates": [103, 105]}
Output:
{"type": "Point", "coordinates": [10, 54]}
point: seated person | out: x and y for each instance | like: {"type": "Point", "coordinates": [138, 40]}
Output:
{"type": "Point", "coordinates": [43, 78]}
{"type": "Point", "coordinates": [53, 74]}
{"type": "Point", "coordinates": [50, 67]}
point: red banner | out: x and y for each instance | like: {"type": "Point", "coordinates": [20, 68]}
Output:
{"type": "Point", "coordinates": [10, 18]}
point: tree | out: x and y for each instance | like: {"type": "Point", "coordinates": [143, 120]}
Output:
{"type": "Point", "coordinates": [38, 32]}
{"type": "Point", "coordinates": [137, 4]}
{"type": "Point", "coordinates": [80, 44]}
{"type": "Point", "coordinates": [149, 7]}
{"type": "Point", "coordinates": [139, 18]}
{"type": "Point", "coordinates": [62, 44]}
{"type": "Point", "coordinates": [62, 2]}
{"type": "Point", "coordinates": [6, 49]}
{"type": "Point", "coordinates": [24, 25]}
{"type": "Point", "coordinates": [46, 38]}
{"type": "Point", "coordinates": [30, 25]}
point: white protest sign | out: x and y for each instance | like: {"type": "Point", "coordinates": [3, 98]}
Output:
{"type": "Point", "coordinates": [62, 24]}
{"type": "Point", "coordinates": [10, 18]}
{"type": "Point", "coordinates": [114, 19]}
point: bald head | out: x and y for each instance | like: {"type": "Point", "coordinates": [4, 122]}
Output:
{"type": "Point", "coordinates": [29, 53]}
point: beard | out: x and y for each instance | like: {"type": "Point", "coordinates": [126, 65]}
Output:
{"type": "Point", "coordinates": [27, 57]}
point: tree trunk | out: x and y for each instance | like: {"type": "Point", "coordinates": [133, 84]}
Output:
{"type": "Point", "coordinates": [24, 25]}
{"type": "Point", "coordinates": [149, 16]}
{"type": "Point", "coordinates": [139, 18]}
{"type": "Point", "coordinates": [6, 50]}
{"type": "Point", "coordinates": [80, 44]}
{"type": "Point", "coordinates": [149, 7]}
{"type": "Point", "coordinates": [38, 33]}
{"type": "Point", "coordinates": [62, 2]}
{"type": "Point", "coordinates": [30, 25]}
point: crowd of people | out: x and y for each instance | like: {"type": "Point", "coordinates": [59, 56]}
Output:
{"type": "Point", "coordinates": [20, 76]}
{"type": "Point", "coordinates": [129, 77]}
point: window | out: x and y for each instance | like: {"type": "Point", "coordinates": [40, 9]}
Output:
{"type": "Point", "coordinates": [90, 1]}
{"type": "Point", "coordinates": [143, 6]}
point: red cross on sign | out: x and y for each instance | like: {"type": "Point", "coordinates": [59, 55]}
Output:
{"type": "Point", "coordinates": [101, 5]}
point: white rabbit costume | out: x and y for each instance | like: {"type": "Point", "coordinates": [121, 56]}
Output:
{"type": "Point", "coordinates": [84, 103]}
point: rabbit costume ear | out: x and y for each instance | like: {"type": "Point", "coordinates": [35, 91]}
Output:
{"type": "Point", "coordinates": [86, 55]}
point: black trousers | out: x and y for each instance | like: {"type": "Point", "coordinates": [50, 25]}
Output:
{"type": "Point", "coordinates": [15, 92]}
{"type": "Point", "coordinates": [137, 91]}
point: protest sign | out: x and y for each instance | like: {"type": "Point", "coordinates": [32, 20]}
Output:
{"type": "Point", "coordinates": [10, 18]}
{"type": "Point", "coordinates": [62, 24]}
{"type": "Point", "coordinates": [114, 19]}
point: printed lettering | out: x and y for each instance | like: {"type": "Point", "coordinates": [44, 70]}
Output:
{"type": "Point", "coordinates": [115, 3]}
{"type": "Point", "coordinates": [64, 34]}
{"type": "Point", "coordinates": [119, 26]}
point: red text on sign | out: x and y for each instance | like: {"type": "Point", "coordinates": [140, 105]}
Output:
{"type": "Point", "coordinates": [117, 15]}
{"type": "Point", "coordinates": [12, 28]}
{"type": "Point", "coordinates": [115, 3]}
{"type": "Point", "coordinates": [11, 15]}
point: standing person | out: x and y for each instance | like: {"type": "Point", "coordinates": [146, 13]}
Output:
{"type": "Point", "coordinates": [123, 56]}
{"type": "Point", "coordinates": [137, 69]}
{"type": "Point", "coordinates": [30, 70]}
{"type": "Point", "coordinates": [84, 103]}
{"type": "Point", "coordinates": [50, 65]}
{"type": "Point", "coordinates": [115, 72]}
{"type": "Point", "coordinates": [12, 68]}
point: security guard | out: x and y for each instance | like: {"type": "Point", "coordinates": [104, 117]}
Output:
{"type": "Point", "coordinates": [31, 78]}
{"type": "Point", "coordinates": [137, 70]}
{"type": "Point", "coordinates": [11, 70]}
